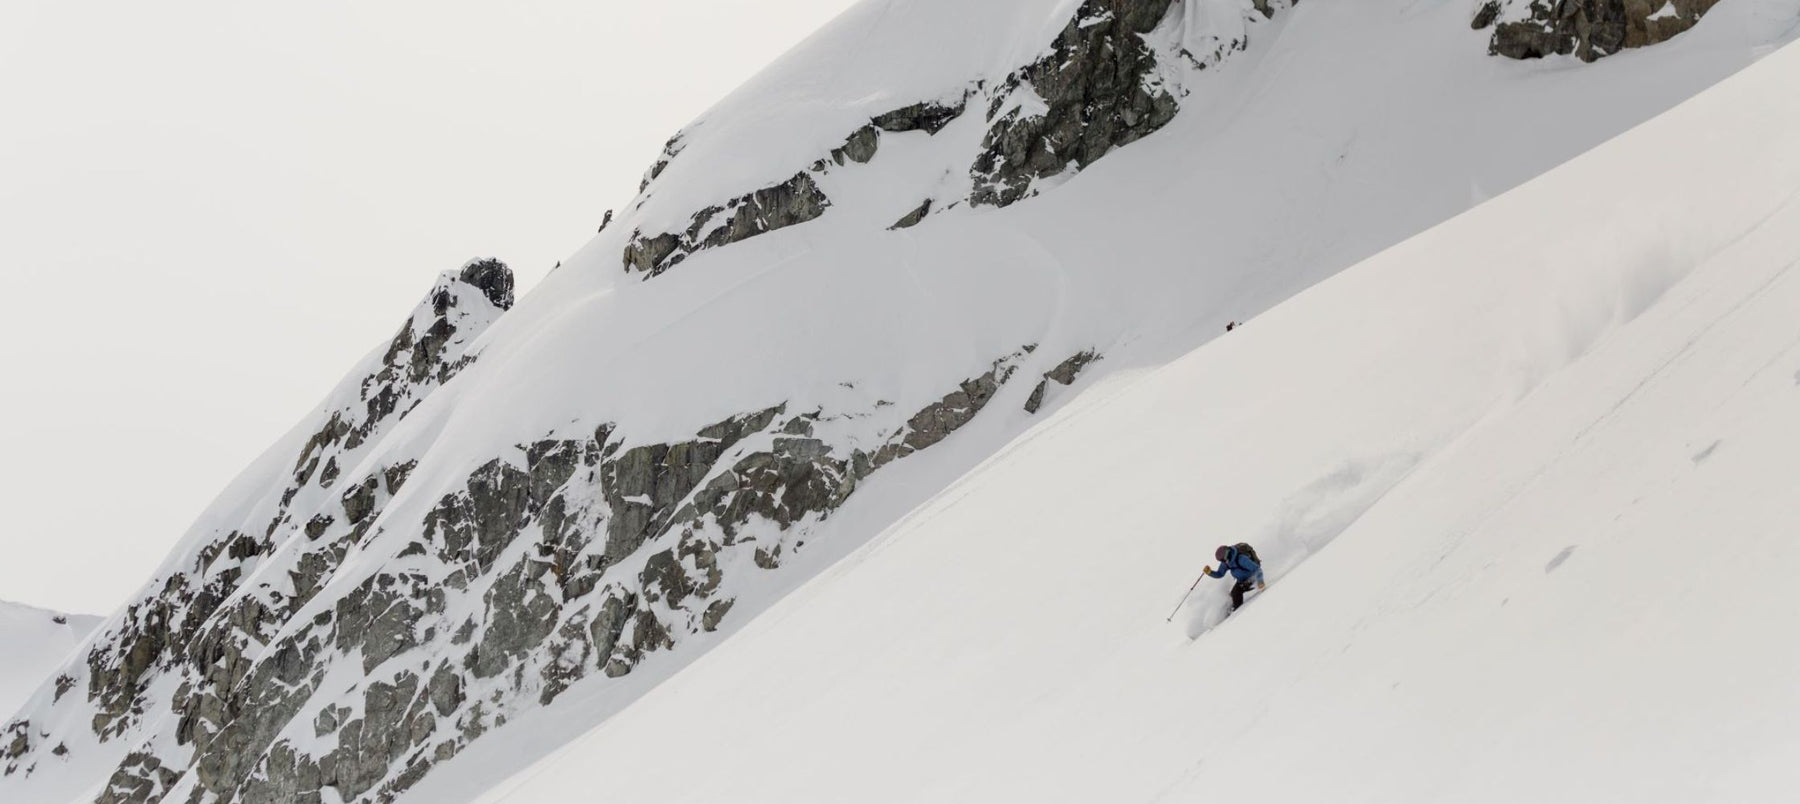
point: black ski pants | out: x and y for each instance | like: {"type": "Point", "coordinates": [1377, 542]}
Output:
{"type": "Point", "coordinates": [1237, 592]}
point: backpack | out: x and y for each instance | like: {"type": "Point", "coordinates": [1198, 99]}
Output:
{"type": "Point", "coordinates": [1244, 548]}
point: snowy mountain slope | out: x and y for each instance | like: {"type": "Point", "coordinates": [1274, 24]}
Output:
{"type": "Point", "coordinates": [35, 642]}
{"type": "Point", "coordinates": [1524, 483]}
{"type": "Point", "coordinates": [502, 528]}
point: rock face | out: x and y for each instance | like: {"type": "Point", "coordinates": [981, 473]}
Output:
{"type": "Point", "coordinates": [792, 202]}
{"type": "Point", "coordinates": [492, 278]}
{"type": "Point", "coordinates": [1588, 29]}
{"type": "Point", "coordinates": [1097, 89]}
{"type": "Point", "coordinates": [1063, 374]}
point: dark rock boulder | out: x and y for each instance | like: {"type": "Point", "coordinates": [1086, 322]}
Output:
{"type": "Point", "coordinates": [913, 218]}
{"type": "Point", "coordinates": [492, 278]}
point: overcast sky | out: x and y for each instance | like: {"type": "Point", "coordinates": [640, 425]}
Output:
{"type": "Point", "coordinates": [210, 210]}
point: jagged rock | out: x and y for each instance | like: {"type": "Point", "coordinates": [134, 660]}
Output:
{"type": "Point", "coordinates": [767, 559]}
{"type": "Point", "coordinates": [670, 150]}
{"type": "Point", "coordinates": [1097, 90]}
{"type": "Point", "coordinates": [520, 615]}
{"type": "Point", "coordinates": [474, 525]}
{"type": "Point", "coordinates": [937, 421]}
{"type": "Point", "coordinates": [1486, 15]}
{"type": "Point", "coordinates": [567, 657]}
{"type": "Point", "coordinates": [645, 484]}
{"type": "Point", "coordinates": [791, 202]}
{"type": "Point", "coordinates": [550, 464]}
{"type": "Point", "coordinates": [330, 434]}
{"type": "Point", "coordinates": [140, 777]}
{"type": "Point", "coordinates": [1063, 374]}
{"type": "Point", "coordinates": [396, 476]}
{"type": "Point", "coordinates": [715, 614]}
{"type": "Point", "coordinates": [329, 719]}
{"type": "Point", "coordinates": [609, 624]}
{"type": "Point", "coordinates": [257, 710]}
{"type": "Point", "coordinates": [927, 117]}
{"type": "Point", "coordinates": [664, 579]}
{"type": "Point", "coordinates": [395, 719]}
{"type": "Point", "coordinates": [117, 666]}
{"type": "Point", "coordinates": [18, 740]}
{"type": "Point", "coordinates": [860, 147]}
{"type": "Point", "coordinates": [913, 218]}
{"type": "Point", "coordinates": [308, 575]}
{"type": "Point", "coordinates": [359, 501]}
{"type": "Point", "coordinates": [492, 278]}
{"type": "Point", "coordinates": [1589, 29]}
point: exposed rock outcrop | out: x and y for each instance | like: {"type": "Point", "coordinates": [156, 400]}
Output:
{"type": "Point", "coordinates": [583, 556]}
{"type": "Point", "coordinates": [792, 202]}
{"type": "Point", "coordinates": [1063, 374]}
{"type": "Point", "coordinates": [1588, 29]}
{"type": "Point", "coordinates": [670, 150]}
{"type": "Point", "coordinates": [1097, 89]}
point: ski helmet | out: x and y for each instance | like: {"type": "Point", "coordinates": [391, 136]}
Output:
{"type": "Point", "coordinates": [1222, 552]}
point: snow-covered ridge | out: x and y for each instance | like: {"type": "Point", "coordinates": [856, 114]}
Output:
{"type": "Point", "coordinates": [456, 563]}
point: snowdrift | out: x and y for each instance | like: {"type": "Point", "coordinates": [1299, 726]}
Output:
{"type": "Point", "coordinates": [1525, 483]}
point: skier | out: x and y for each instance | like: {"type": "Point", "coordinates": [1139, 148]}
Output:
{"type": "Point", "coordinates": [1240, 561]}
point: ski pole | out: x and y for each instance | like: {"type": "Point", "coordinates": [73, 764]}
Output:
{"type": "Point", "coordinates": [1184, 597]}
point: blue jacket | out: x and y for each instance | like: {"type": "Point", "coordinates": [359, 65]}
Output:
{"type": "Point", "coordinates": [1241, 567]}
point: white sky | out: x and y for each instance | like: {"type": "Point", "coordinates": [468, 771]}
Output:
{"type": "Point", "coordinates": [210, 210]}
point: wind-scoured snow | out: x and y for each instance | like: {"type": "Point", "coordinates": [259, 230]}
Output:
{"type": "Point", "coordinates": [34, 643]}
{"type": "Point", "coordinates": [1525, 484]}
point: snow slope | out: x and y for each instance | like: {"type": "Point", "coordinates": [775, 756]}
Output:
{"type": "Point", "coordinates": [513, 520]}
{"type": "Point", "coordinates": [34, 645]}
{"type": "Point", "coordinates": [1525, 483]}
